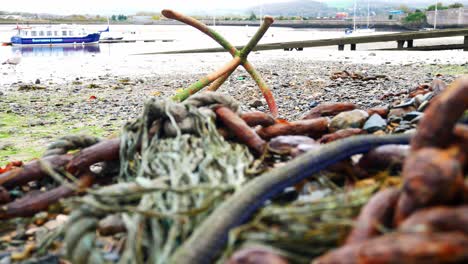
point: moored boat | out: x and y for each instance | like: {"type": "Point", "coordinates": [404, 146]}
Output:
{"type": "Point", "coordinates": [54, 35]}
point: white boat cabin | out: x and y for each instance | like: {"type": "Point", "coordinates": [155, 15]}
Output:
{"type": "Point", "coordinates": [52, 31]}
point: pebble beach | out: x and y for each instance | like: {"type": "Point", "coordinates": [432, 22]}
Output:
{"type": "Point", "coordinates": [98, 98]}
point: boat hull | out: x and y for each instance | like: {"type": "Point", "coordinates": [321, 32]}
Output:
{"type": "Point", "coordinates": [88, 39]}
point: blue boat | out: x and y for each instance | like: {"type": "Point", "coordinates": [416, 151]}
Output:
{"type": "Point", "coordinates": [54, 35]}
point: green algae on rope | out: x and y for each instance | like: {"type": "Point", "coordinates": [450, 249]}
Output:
{"type": "Point", "coordinates": [206, 243]}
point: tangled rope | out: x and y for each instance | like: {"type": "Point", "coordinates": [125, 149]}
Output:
{"type": "Point", "coordinates": [174, 169]}
{"type": "Point", "coordinates": [70, 142]}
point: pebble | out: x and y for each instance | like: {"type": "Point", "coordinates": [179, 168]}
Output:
{"type": "Point", "coordinates": [412, 115]}
{"type": "Point", "coordinates": [349, 119]}
{"type": "Point", "coordinates": [110, 225]}
{"type": "Point", "coordinates": [400, 112]}
{"type": "Point", "coordinates": [375, 123]}
{"type": "Point", "coordinates": [407, 103]}
{"type": "Point", "coordinates": [313, 104]}
{"type": "Point", "coordinates": [423, 106]}
{"type": "Point", "coordinates": [256, 103]}
{"type": "Point", "coordinates": [284, 144]}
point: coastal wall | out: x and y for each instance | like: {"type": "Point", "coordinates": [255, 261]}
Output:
{"type": "Point", "coordinates": [380, 23]}
{"type": "Point", "coordinates": [449, 17]}
{"type": "Point", "coordinates": [388, 24]}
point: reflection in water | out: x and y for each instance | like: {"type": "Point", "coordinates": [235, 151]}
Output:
{"type": "Point", "coordinates": [46, 51]}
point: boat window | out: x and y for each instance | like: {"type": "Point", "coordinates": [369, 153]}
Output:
{"type": "Point", "coordinates": [33, 33]}
{"type": "Point", "coordinates": [64, 33]}
{"type": "Point", "coordinates": [49, 33]}
{"type": "Point", "coordinates": [70, 33]}
{"type": "Point", "coordinates": [55, 33]}
{"type": "Point", "coordinates": [41, 33]}
{"type": "Point", "coordinates": [24, 33]}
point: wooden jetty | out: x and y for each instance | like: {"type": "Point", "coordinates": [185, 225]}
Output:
{"type": "Point", "coordinates": [399, 38]}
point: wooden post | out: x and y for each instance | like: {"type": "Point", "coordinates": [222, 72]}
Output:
{"type": "Point", "coordinates": [409, 43]}
{"type": "Point", "coordinates": [401, 43]}
{"type": "Point", "coordinates": [465, 44]}
{"type": "Point", "coordinates": [353, 46]}
{"type": "Point", "coordinates": [341, 46]}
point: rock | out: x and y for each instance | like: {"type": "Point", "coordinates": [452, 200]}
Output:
{"type": "Point", "coordinates": [256, 103]}
{"type": "Point", "coordinates": [5, 145]}
{"type": "Point", "coordinates": [284, 144]}
{"type": "Point", "coordinates": [400, 112]}
{"type": "Point", "coordinates": [313, 104]}
{"type": "Point", "coordinates": [423, 106]}
{"type": "Point", "coordinates": [112, 257]}
{"type": "Point", "coordinates": [404, 126]}
{"type": "Point", "coordinates": [418, 100]}
{"type": "Point", "coordinates": [375, 123]}
{"type": "Point", "coordinates": [350, 119]}
{"type": "Point", "coordinates": [58, 221]}
{"type": "Point", "coordinates": [464, 118]}
{"type": "Point", "coordinates": [412, 115]}
{"type": "Point", "coordinates": [417, 119]}
{"type": "Point", "coordinates": [287, 196]}
{"type": "Point", "coordinates": [37, 81]}
{"type": "Point", "coordinates": [303, 148]}
{"type": "Point", "coordinates": [28, 87]}
{"type": "Point", "coordinates": [438, 86]}
{"type": "Point", "coordinates": [372, 54]}
{"type": "Point", "coordinates": [405, 104]}
{"type": "Point", "coordinates": [381, 111]}
{"type": "Point", "coordinates": [111, 225]}
{"type": "Point", "coordinates": [5, 260]}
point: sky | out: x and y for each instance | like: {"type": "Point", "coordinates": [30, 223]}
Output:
{"type": "Point", "coordinates": [122, 6]}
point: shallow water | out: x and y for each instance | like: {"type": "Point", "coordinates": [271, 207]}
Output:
{"type": "Point", "coordinates": [61, 64]}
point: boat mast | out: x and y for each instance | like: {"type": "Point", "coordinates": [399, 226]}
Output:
{"type": "Point", "coordinates": [354, 16]}
{"type": "Point", "coordinates": [435, 16]}
{"type": "Point", "coordinates": [261, 12]}
{"type": "Point", "coordinates": [368, 13]}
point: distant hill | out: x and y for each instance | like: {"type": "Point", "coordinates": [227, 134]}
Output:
{"type": "Point", "coordinates": [295, 8]}
{"type": "Point", "coordinates": [394, 3]}
{"type": "Point", "coordinates": [321, 8]}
